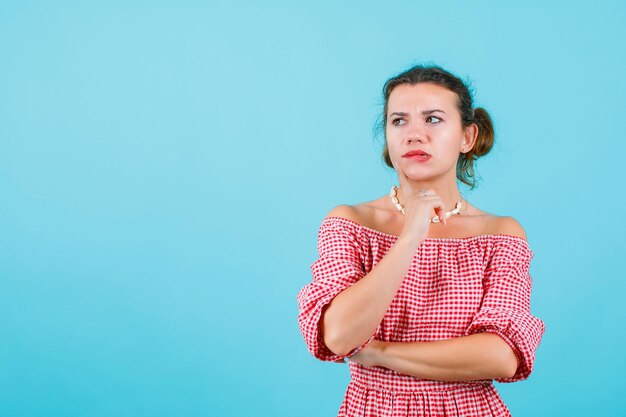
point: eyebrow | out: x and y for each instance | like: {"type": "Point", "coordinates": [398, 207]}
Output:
{"type": "Point", "coordinates": [425, 112]}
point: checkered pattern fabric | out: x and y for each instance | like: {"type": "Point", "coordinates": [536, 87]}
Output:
{"type": "Point", "coordinates": [454, 287]}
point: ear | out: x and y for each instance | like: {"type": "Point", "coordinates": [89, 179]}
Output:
{"type": "Point", "coordinates": [470, 134]}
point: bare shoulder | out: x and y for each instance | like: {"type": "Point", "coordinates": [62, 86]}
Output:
{"type": "Point", "coordinates": [346, 211]}
{"type": "Point", "coordinates": [508, 225]}
{"type": "Point", "coordinates": [366, 213]}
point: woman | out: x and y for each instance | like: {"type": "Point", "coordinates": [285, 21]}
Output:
{"type": "Point", "coordinates": [426, 295]}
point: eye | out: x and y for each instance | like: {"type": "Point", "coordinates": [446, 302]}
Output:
{"type": "Point", "coordinates": [430, 117]}
{"type": "Point", "coordinates": [396, 121]}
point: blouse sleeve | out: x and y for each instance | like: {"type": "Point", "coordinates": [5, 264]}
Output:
{"type": "Point", "coordinates": [338, 266]}
{"type": "Point", "coordinates": [505, 308]}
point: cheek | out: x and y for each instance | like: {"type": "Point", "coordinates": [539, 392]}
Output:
{"type": "Point", "coordinates": [393, 137]}
{"type": "Point", "coordinates": [392, 148]}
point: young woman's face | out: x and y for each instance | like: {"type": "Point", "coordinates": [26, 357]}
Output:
{"type": "Point", "coordinates": [424, 117]}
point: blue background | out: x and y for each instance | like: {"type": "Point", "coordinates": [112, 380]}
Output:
{"type": "Point", "coordinates": [164, 168]}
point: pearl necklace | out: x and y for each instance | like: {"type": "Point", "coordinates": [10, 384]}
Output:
{"type": "Point", "coordinates": [394, 197]}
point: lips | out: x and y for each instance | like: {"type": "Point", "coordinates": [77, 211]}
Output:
{"type": "Point", "coordinates": [416, 153]}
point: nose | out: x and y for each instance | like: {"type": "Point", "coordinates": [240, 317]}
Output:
{"type": "Point", "coordinates": [415, 135]}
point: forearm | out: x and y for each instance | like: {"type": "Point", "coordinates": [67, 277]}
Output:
{"type": "Point", "coordinates": [352, 316]}
{"type": "Point", "coordinates": [473, 357]}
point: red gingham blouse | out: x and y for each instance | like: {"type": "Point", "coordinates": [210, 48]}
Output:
{"type": "Point", "coordinates": [454, 287]}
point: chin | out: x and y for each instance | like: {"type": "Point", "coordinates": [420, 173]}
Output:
{"type": "Point", "coordinates": [418, 171]}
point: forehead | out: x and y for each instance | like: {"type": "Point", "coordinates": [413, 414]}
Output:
{"type": "Point", "coordinates": [421, 96]}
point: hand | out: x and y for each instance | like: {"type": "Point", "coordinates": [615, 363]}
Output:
{"type": "Point", "coordinates": [418, 206]}
{"type": "Point", "coordinates": [370, 355]}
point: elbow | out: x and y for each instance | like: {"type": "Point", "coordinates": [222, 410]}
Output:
{"type": "Point", "coordinates": [504, 360]}
{"type": "Point", "coordinates": [334, 340]}
{"type": "Point", "coordinates": [508, 364]}
{"type": "Point", "coordinates": [336, 345]}
{"type": "Point", "coordinates": [338, 342]}
{"type": "Point", "coordinates": [508, 370]}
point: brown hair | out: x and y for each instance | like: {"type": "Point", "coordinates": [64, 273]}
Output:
{"type": "Point", "coordinates": [437, 75]}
